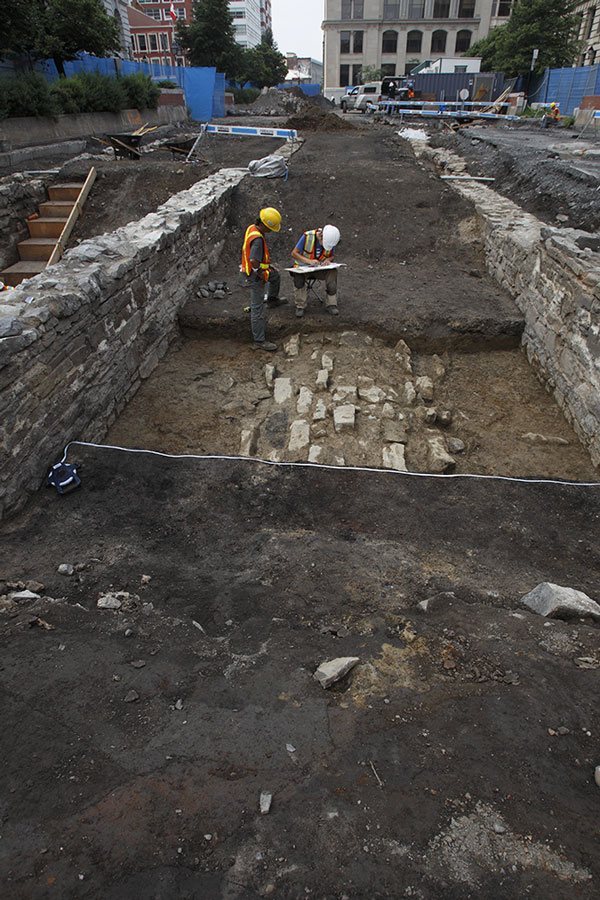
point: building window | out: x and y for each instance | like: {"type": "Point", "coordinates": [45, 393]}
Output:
{"type": "Point", "coordinates": [344, 42]}
{"type": "Point", "coordinates": [414, 40]}
{"type": "Point", "coordinates": [504, 8]}
{"type": "Point", "coordinates": [463, 41]}
{"type": "Point", "coordinates": [155, 13]}
{"type": "Point", "coordinates": [357, 42]}
{"type": "Point", "coordinates": [438, 42]}
{"type": "Point", "coordinates": [416, 9]}
{"type": "Point", "coordinates": [389, 42]}
{"type": "Point", "coordinates": [352, 9]}
{"type": "Point", "coordinates": [388, 69]}
{"type": "Point", "coordinates": [164, 41]}
{"type": "Point", "coordinates": [180, 13]}
{"type": "Point", "coordinates": [589, 24]}
{"type": "Point", "coordinates": [391, 9]}
{"type": "Point", "coordinates": [356, 69]}
{"type": "Point", "coordinates": [153, 42]}
{"type": "Point", "coordinates": [142, 42]}
{"type": "Point", "coordinates": [409, 66]}
{"type": "Point", "coordinates": [344, 75]}
{"type": "Point", "coordinates": [459, 70]}
{"type": "Point", "coordinates": [466, 9]}
{"type": "Point", "coordinates": [441, 9]}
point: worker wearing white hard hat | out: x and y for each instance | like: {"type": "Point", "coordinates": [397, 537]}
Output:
{"type": "Point", "coordinates": [316, 248]}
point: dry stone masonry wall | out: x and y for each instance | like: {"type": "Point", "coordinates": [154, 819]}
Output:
{"type": "Point", "coordinates": [554, 276]}
{"type": "Point", "coordinates": [19, 197]}
{"type": "Point", "coordinates": [77, 341]}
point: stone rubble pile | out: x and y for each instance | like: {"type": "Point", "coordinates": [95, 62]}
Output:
{"type": "Point", "coordinates": [349, 399]}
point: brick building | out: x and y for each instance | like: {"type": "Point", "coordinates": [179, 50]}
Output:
{"type": "Point", "coordinates": [153, 30]}
{"type": "Point", "coordinates": [589, 32]}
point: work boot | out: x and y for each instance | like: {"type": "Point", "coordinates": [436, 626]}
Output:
{"type": "Point", "coordinates": [299, 312]}
{"type": "Point", "coordinates": [333, 311]}
{"type": "Point", "coordinates": [272, 302]}
{"type": "Point", "coordinates": [264, 345]}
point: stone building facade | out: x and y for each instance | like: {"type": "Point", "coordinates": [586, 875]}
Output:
{"type": "Point", "coordinates": [589, 32]}
{"type": "Point", "coordinates": [397, 35]}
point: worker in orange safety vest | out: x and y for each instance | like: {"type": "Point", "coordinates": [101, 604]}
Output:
{"type": "Point", "coordinates": [260, 275]}
{"type": "Point", "coordinates": [316, 248]}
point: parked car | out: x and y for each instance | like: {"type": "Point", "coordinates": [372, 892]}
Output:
{"type": "Point", "coordinates": [359, 96]}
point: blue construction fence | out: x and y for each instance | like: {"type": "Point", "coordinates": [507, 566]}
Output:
{"type": "Point", "coordinates": [204, 88]}
{"type": "Point", "coordinates": [566, 87]}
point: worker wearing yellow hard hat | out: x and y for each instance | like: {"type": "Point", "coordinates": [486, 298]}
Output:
{"type": "Point", "coordinates": [260, 275]}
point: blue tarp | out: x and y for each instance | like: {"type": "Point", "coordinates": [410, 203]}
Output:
{"type": "Point", "coordinates": [218, 110]}
{"type": "Point", "coordinates": [566, 87]}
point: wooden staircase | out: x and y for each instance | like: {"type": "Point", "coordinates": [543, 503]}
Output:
{"type": "Point", "coordinates": [49, 231]}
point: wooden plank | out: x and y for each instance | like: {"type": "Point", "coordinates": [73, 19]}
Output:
{"type": "Point", "coordinates": [75, 213]}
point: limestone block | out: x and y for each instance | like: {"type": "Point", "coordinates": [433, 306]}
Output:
{"type": "Point", "coordinates": [394, 432]}
{"type": "Point", "coordinates": [424, 386]}
{"type": "Point", "coordinates": [403, 357]}
{"type": "Point", "coordinates": [9, 327]}
{"type": "Point", "coordinates": [330, 672]}
{"type": "Point", "coordinates": [270, 371]}
{"type": "Point", "coordinates": [248, 441]}
{"type": "Point", "coordinates": [371, 395]}
{"type": "Point", "coordinates": [393, 457]}
{"type": "Point", "coordinates": [327, 362]}
{"type": "Point", "coordinates": [365, 381]}
{"type": "Point", "coordinates": [554, 601]}
{"type": "Point", "coordinates": [322, 379]}
{"type": "Point", "coordinates": [282, 390]}
{"type": "Point", "coordinates": [345, 392]}
{"type": "Point", "coordinates": [320, 410]}
{"type": "Point", "coordinates": [305, 400]}
{"type": "Point", "coordinates": [409, 394]}
{"type": "Point", "coordinates": [299, 435]}
{"type": "Point", "coordinates": [439, 458]}
{"type": "Point", "coordinates": [388, 411]}
{"type": "Point", "coordinates": [292, 346]}
{"type": "Point", "coordinates": [315, 453]}
{"type": "Point", "coordinates": [344, 417]}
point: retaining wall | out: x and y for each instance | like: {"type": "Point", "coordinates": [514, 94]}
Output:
{"type": "Point", "coordinates": [19, 197]}
{"type": "Point", "coordinates": [553, 275]}
{"type": "Point", "coordinates": [77, 341]}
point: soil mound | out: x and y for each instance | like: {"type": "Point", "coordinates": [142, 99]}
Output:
{"type": "Point", "coordinates": [275, 102]}
{"type": "Point", "coordinates": [313, 118]}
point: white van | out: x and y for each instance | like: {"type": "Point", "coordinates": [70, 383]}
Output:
{"type": "Point", "coordinates": [360, 95]}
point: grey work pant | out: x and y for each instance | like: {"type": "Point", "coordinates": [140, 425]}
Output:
{"type": "Point", "coordinates": [329, 276]}
{"type": "Point", "coordinates": [258, 289]}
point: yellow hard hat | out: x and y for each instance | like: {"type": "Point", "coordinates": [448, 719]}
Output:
{"type": "Point", "coordinates": [271, 218]}
{"type": "Point", "coordinates": [552, 105]}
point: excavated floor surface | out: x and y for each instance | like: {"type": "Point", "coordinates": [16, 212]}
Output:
{"type": "Point", "coordinates": [456, 760]}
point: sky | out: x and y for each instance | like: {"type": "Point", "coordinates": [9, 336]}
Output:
{"type": "Point", "coordinates": [297, 27]}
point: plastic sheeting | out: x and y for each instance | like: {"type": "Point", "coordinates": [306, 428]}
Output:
{"type": "Point", "coordinates": [268, 167]}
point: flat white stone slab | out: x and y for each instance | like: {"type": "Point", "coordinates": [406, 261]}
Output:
{"type": "Point", "coordinates": [299, 435]}
{"type": "Point", "coordinates": [282, 389]}
{"type": "Point", "coordinates": [305, 400]}
{"type": "Point", "coordinates": [292, 347]}
{"type": "Point", "coordinates": [393, 457]}
{"type": "Point", "coordinates": [344, 417]}
{"type": "Point", "coordinates": [330, 672]}
{"type": "Point", "coordinates": [554, 601]}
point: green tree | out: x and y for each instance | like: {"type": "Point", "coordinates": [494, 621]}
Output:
{"type": "Point", "coordinates": [210, 39]}
{"type": "Point", "coordinates": [57, 30]}
{"type": "Point", "coordinates": [549, 26]}
{"type": "Point", "coordinates": [264, 65]}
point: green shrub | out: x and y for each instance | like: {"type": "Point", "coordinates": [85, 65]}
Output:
{"type": "Point", "coordinates": [568, 121]}
{"type": "Point", "coordinates": [167, 84]}
{"type": "Point", "coordinates": [245, 96]}
{"type": "Point", "coordinates": [26, 95]}
{"type": "Point", "coordinates": [141, 91]}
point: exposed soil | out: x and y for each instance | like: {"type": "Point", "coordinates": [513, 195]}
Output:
{"type": "Point", "coordinates": [456, 760]}
{"type": "Point", "coordinates": [549, 173]}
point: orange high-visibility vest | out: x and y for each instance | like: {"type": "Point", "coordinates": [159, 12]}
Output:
{"type": "Point", "coordinates": [252, 233]}
{"type": "Point", "coordinates": [310, 245]}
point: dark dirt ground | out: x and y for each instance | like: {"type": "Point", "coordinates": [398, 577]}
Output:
{"type": "Point", "coordinates": [436, 769]}
{"type": "Point", "coordinates": [450, 709]}
{"type": "Point", "coordinates": [545, 172]}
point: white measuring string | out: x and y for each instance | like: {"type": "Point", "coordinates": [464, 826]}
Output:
{"type": "Point", "coordinates": [309, 465]}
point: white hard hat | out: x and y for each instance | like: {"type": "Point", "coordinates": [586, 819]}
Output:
{"type": "Point", "coordinates": [331, 237]}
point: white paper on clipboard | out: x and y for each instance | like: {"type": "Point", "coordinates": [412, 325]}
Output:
{"type": "Point", "coordinates": [309, 270]}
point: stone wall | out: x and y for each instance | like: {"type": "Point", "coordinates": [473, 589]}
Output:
{"type": "Point", "coordinates": [554, 276]}
{"type": "Point", "coordinates": [77, 341]}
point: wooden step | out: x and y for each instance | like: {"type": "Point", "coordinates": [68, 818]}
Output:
{"type": "Point", "coordinates": [17, 273]}
{"type": "Point", "coordinates": [45, 227]}
{"type": "Point", "coordinates": [67, 191]}
{"type": "Point", "coordinates": [55, 208]}
{"type": "Point", "coordinates": [36, 248]}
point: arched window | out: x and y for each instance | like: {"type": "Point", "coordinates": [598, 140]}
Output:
{"type": "Point", "coordinates": [438, 41]}
{"type": "Point", "coordinates": [463, 41]}
{"type": "Point", "coordinates": [414, 40]}
{"type": "Point", "coordinates": [389, 42]}
{"type": "Point", "coordinates": [441, 9]}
